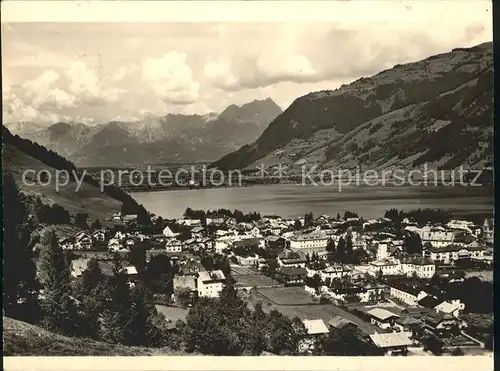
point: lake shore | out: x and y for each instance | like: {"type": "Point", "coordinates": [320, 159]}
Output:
{"type": "Point", "coordinates": [291, 200]}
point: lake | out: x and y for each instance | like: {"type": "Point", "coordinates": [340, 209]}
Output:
{"type": "Point", "coordinates": [291, 200]}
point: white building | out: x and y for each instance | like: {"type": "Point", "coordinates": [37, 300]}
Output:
{"type": "Point", "coordinates": [489, 230]}
{"type": "Point", "coordinates": [210, 284]}
{"type": "Point", "coordinates": [462, 225]}
{"type": "Point", "coordinates": [225, 242]}
{"type": "Point", "coordinates": [450, 253]}
{"type": "Point", "coordinates": [66, 243]}
{"type": "Point", "coordinates": [114, 244]}
{"type": "Point", "coordinates": [436, 236]}
{"type": "Point", "coordinates": [312, 242]}
{"type": "Point", "coordinates": [335, 272]}
{"type": "Point", "coordinates": [190, 222]}
{"type": "Point", "coordinates": [83, 241]}
{"type": "Point", "coordinates": [453, 307]}
{"type": "Point", "coordinates": [423, 268]}
{"type": "Point", "coordinates": [167, 232]}
{"type": "Point", "coordinates": [388, 267]}
{"type": "Point", "coordinates": [382, 250]}
{"type": "Point", "coordinates": [173, 246]}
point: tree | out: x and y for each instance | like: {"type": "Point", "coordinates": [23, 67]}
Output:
{"type": "Point", "coordinates": [20, 288]}
{"type": "Point", "coordinates": [89, 290]}
{"type": "Point", "coordinates": [159, 225]}
{"type": "Point", "coordinates": [308, 220]}
{"type": "Point", "coordinates": [349, 248]}
{"type": "Point", "coordinates": [345, 342]}
{"type": "Point", "coordinates": [96, 225]}
{"type": "Point", "coordinates": [58, 307]}
{"type": "Point", "coordinates": [81, 220]}
{"type": "Point", "coordinates": [412, 243]}
{"type": "Point", "coordinates": [223, 332]}
{"type": "Point", "coordinates": [341, 253]}
{"type": "Point", "coordinates": [314, 282]}
{"type": "Point", "coordinates": [272, 267]}
{"type": "Point", "coordinates": [394, 214]}
{"type": "Point", "coordinates": [338, 217]}
{"type": "Point", "coordinates": [115, 316]}
{"type": "Point", "coordinates": [183, 296]}
{"type": "Point", "coordinates": [137, 257]}
{"type": "Point", "coordinates": [140, 329]}
{"type": "Point", "coordinates": [330, 247]}
{"type": "Point", "coordinates": [297, 225]}
{"type": "Point", "coordinates": [432, 344]}
{"type": "Point", "coordinates": [160, 274]}
{"type": "Point", "coordinates": [328, 281]}
{"type": "Point", "coordinates": [226, 326]}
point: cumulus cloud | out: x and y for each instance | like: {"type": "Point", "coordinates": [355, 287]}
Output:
{"type": "Point", "coordinates": [278, 53]}
{"type": "Point", "coordinates": [52, 95]}
{"type": "Point", "coordinates": [171, 78]}
{"type": "Point", "coordinates": [266, 69]}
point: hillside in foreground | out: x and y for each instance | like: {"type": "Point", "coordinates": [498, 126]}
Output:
{"type": "Point", "coordinates": [19, 155]}
{"type": "Point", "coordinates": [23, 339]}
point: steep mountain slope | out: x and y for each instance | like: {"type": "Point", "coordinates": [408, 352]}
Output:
{"type": "Point", "coordinates": [438, 110]}
{"type": "Point", "coordinates": [171, 138]}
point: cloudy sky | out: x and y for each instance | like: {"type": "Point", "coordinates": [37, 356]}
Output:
{"type": "Point", "coordinates": [97, 72]}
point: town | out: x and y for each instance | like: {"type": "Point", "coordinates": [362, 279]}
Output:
{"type": "Point", "coordinates": [410, 283]}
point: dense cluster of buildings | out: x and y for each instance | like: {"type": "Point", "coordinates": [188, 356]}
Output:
{"type": "Point", "coordinates": [304, 257]}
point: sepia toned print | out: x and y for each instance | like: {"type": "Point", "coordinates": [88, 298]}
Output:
{"type": "Point", "coordinates": [247, 187]}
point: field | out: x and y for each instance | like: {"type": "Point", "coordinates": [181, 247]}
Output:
{"type": "Point", "coordinates": [296, 302]}
{"type": "Point", "coordinates": [23, 339]}
{"type": "Point", "coordinates": [239, 270]}
{"type": "Point", "coordinates": [250, 277]}
{"type": "Point", "coordinates": [287, 295]}
{"type": "Point", "coordinates": [486, 276]}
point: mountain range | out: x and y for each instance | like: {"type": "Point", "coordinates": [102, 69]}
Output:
{"type": "Point", "coordinates": [174, 138]}
{"type": "Point", "coordinates": [436, 111]}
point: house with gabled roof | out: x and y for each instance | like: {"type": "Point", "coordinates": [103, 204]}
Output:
{"type": "Point", "coordinates": [382, 317]}
{"type": "Point", "coordinates": [210, 284]}
{"type": "Point", "coordinates": [167, 232]}
{"type": "Point", "coordinates": [391, 343]}
{"type": "Point", "coordinates": [292, 274]}
{"type": "Point", "coordinates": [314, 328]}
{"type": "Point", "coordinates": [338, 323]}
{"type": "Point", "coordinates": [439, 322]}
{"type": "Point", "coordinates": [83, 241]}
{"type": "Point", "coordinates": [407, 324]}
{"type": "Point", "coordinates": [453, 307]}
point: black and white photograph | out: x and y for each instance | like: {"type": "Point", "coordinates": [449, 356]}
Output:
{"type": "Point", "coordinates": [263, 184]}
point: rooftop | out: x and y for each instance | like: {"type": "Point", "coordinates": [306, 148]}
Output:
{"type": "Point", "coordinates": [389, 340]}
{"type": "Point", "coordinates": [381, 314]}
{"type": "Point", "coordinates": [339, 322]}
{"type": "Point", "coordinates": [212, 276]}
{"type": "Point", "coordinates": [407, 321]}
{"type": "Point", "coordinates": [429, 301]}
{"type": "Point", "coordinates": [315, 327]}
{"type": "Point", "coordinates": [310, 236]}
{"type": "Point", "coordinates": [411, 287]}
